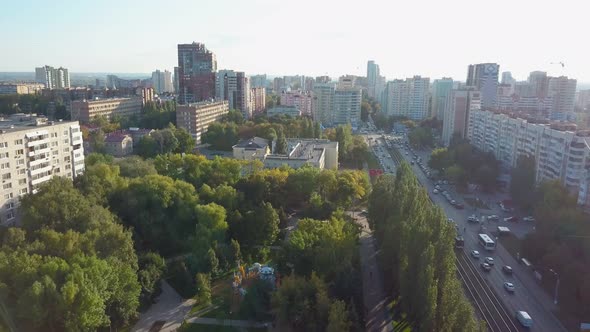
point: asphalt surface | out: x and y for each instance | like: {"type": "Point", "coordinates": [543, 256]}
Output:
{"type": "Point", "coordinates": [528, 295]}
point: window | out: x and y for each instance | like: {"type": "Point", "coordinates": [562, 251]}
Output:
{"type": "Point", "coordinates": [68, 166]}
{"type": "Point", "coordinates": [67, 159]}
{"type": "Point", "coordinates": [10, 215]}
{"type": "Point", "coordinates": [6, 176]}
{"type": "Point", "coordinates": [66, 141]}
{"type": "Point", "coordinates": [65, 133]}
{"type": "Point", "coordinates": [20, 162]}
{"type": "Point", "coordinates": [55, 161]}
{"type": "Point", "coordinates": [20, 152]}
{"type": "Point", "coordinates": [18, 142]}
{"type": "Point", "coordinates": [22, 181]}
{"type": "Point", "coordinates": [23, 191]}
{"type": "Point", "coordinates": [7, 186]}
{"type": "Point", "coordinates": [66, 150]}
{"type": "Point", "coordinates": [10, 206]}
{"type": "Point", "coordinates": [53, 143]}
{"type": "Point", "coordinates": [8, 196]}
{"type": "Point", "coordinates": [3, 155]}
{"type": "Point", "coordinates": [53, 134]}
{"type": "Point", "coordinates": [22, 171]}
{"type": "Point", "coordinates": [3, 144]}
{"type": "Point", "coordinates": [55, 153]}
{"type": "Point", "coordinates": [4, 165]}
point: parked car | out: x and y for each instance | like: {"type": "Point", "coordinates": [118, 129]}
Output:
{"type": "Point", "coordinates": [472, 218]}
{"type": "Point", "coordinates": [475, 254]}
{"type": "Point", "coordinates": [511, 219]}
{"type": "Point", "coordinates": [509, 287]}
{"type": "Point", "coordinates": [489, 260]}
{"type": "Point", "coordinates": [493, 217]}
{"type": "Point", "coordinates": [507, 269]}
{"type": "Point", "coordinates": [524, 318]}
{"type": "Point", "coordinates": [485, 266]}
{"type": "Point", "coordinates": [529, 219]}
{"type": "Point", "coordinates": [435, 191]}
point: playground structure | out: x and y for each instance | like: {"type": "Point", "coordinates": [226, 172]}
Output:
{"type": "Point", "coordinates": [256, 271]}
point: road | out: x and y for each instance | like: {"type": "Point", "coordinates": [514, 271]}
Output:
{"type": "Point", "coordinates": [528, 295]}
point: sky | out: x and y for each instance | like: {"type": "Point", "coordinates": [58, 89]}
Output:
{"type": "Point", "coordinates": [432, 38]}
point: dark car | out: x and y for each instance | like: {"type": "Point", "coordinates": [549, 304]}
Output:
{"type": "Point", "coordinates": [459, 206]}
{"type": "Point", "coordinates": [507, 269]}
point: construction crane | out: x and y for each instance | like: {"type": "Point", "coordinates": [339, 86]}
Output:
{"type": "Point", "coordinates": [559, 63]}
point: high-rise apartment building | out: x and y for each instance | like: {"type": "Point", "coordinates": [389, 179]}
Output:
{"type": "Point", "coordinates": [332, 105]}
{"type": "Point", "coordinates": [162, 81]}
{"type": "Point", "coordinates": [507, 78]}
{"type": "Point", "coordinates": [539, 84]}
{"type": "Point", "coordinates": [563, 91]}
{"type": "Point", "coordinates": [373, 79]}
{"type": "Point", "coordinates": [484, 76]}
{"type": "Point", "coordinates": [234, 87]}
{"type": "Point", "coordinates": [176, 84]}
{"type": "Point", "coordinates": [322, 102]}
{"type": "Point", "coordinates": [258, 97]}
{"type": "Point", "coordinates": [86, 110]}
{"type": "Point", "coordinates": [196, 118]}
{"type": "Point", "coordinates": [258, 81]}
{"type": "Point", "coordinates": [53, 78]}
{"type": "Point", "coordinates": [32, 151]}
{"type": "Point", "coordinates": [583, 101]}
{"type": "Point", "coordinates": [300, 99]}
{"type": "Point", "coordinates": [440, 90]}
{"type": "Point", "coordinates": [196, 73]}
{"type": "Point", "coordinates": [408, 97]}
{"type": "Point", "coordinates": [459, 104]}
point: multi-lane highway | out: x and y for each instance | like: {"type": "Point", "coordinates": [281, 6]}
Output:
{"type": "Point", "coordinates": [486, 288]}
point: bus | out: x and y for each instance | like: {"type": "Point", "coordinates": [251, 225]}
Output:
{"type": "Point", "coordinates": [487, 242]}
{"type": "Point", "coordinates": [459, 242]}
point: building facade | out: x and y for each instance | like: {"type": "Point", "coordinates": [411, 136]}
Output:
{"type": "Point", "coordinates": [322, 102]}
{"type": "Point", "coordinates": [408, 97]}
{"type": "Point", "coordinates": [196, 118]}
{"type": "Point", "coordinates": [196, 73]}
{"type": "Point", "coordinates": [32, 151]}
{"type": "Point", "coordinates": [20, 88]}
{"type": "Point", "coordinates": [347, 106]}
{"type": "Point", "coordinates": [484, 76]}
{"type": "Point", "coordinates": [258, 98]}
{"type": "Point", "coordinates": [459, 104]}
{"type": "Point", "coordinates": [563, 91]}
{"type": "Point", "coordinates": [86, 110]}
{"type": "Point", "coordinates": [234, 87]}
{"type": "Point", "coordinates": [291, 111]}
{"type": "Point", "coordinates": [583, 101]}
{"type": "Point", "coordinates": [440, 90]}
{"type": "Point", "coordinates": [162, 81]}
{"type": "Point", "coordinates": [302, 100]}
{"type": "Point", "coordinates": [118, 144]}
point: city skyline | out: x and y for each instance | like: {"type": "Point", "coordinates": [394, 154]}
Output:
{"type": "Point", "coordinates": [339, 41]}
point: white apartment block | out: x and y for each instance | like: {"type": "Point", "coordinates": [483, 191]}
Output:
{"type": "Point", "coordinates": [560, 152]}
{"type": "Point", "coordinates": [86, 110]}
{"type": "Point", "coordinates": [563, 91]}
{"type": "Point", "coordinates": [53, 78]}
{"type": "Point", "coordinates": [459, 104]}
{"type": "Point", "coordinates": [32, 151]}
{"type": "Point", "coordinates": [322, 102]}
{"type": "Point", "coordinates": [300, 99]}
{"type": "Point", "coordinates": [196, 118]}
{"type": "Point", "coordinates": [162, 81]}
{"type": "Point", "coordinates": [347, 106]}
{"type": "Point", "coordinates": [408, 97]}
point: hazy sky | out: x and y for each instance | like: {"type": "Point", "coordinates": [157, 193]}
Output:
{"type": "Point", "coordinates": [432, 38]}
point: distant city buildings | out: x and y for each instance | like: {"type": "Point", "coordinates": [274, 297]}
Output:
{"type": "Point", "coordinates": [234, 87]}
{"type": "Point", "coordinates": [459, 104]}
{"type": "Point", "coordinates": [196, 73]}
{"type": "Point", "coordinates": [32, 151]}
{"type": "Point", "coordinates": [408, 97]}
{"type": "Point", "coordinates": [563, 91]}
{"type": "Point", "coordinates": [53, 78]}
{"type": "Point", "coordinates": [583, 101]}
{"type": "Point", "coordinates": [20, 88]}
{"type": "Point", "coordinates": [484, 76]}
{"type": "Point", "coordinates": [195, 118]}
{"type": "Point", "coordinates": [115, 82]}
{"type": "Point", "coordinates": [507, 78]}
{"type": "Point", "coordinates": [375, 82]}
{"type": "Point", "coordinates": [258, 81]}
{"type": "Point", "coordinates": [300, 99]}
{"type": "Point", "coordinates": [86, 110]}
{"type": "Point", "coordinates": [292, 111]}
{"type": "Point", "coordinates": [440, 90]}
{"type": "Point", "coordinates": [258, 100]}
{"type": "Point", "coordinates": [162, 81]}
{"type": "Point", "coordinates": [322, 103]}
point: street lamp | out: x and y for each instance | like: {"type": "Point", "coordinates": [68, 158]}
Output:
{"type": "Point", "coordinates": [556, 285]}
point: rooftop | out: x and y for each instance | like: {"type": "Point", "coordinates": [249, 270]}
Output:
{"type": "Point", "coordinates": [252, 143]}
{"type": "Point", "coordinates": [22, 121]}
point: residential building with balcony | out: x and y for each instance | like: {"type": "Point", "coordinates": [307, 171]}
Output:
{"type": "Point", "coordinates": [32, 151]}
{"type": "Point", "coordinates": [196, 118]}
{"type": "Point", "coordinates": [302, 100]}
{"type": "Point", "coordinates": [86, 110]}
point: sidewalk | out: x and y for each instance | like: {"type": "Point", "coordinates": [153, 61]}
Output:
{"type": "Point", "coordinates": [170, 308]}
{"type": "Point", "coordinates": [377, 316]}
{"type": "Point", "coordinates": [227, 322]}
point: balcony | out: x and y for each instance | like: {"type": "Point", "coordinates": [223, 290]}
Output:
{"type": "Point", "coordinates": [41, 180]}
{"type": "Point", "coordinates": [34, 172]}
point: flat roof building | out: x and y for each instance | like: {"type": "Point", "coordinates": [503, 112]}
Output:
{"type": "Point", "coordinates": [86, 110]}
{"type": "Point", "coordinates": [195, 118]}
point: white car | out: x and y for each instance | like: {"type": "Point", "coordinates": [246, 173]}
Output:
{"type": "Point", "coordinates": [529, 219]}
{"type": "Point", "coordinates": [509, 287]}
{"type": "Point", "coordinates": [475, 254]}
{"type": "Point", "coordinates": [489, 260]}
{"type": "Point", "coordinates": [435, 191]}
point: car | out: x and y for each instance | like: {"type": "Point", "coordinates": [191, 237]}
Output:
{"type": "Point", "coordinates": [485, 266]}
{"type": "Point", "coordinates": [507, 269]}
{"type": "Point", "coordinates": [435, 191]}
{"type": "Point", "coordinates": [364, 212]}
{"type": "Point", "coordinates": [475, 254]}
{"type": "Point", "coordinates": [445, 182]}
{"type": "Point", "coordinates": [509, 287]}
{"type": "Point", "coordinates": [453, 202]}
{"type": "Point", "coordinates": [493, 217]}
{"type": "Point", "coordinates": [529, 219]}
{"type": "Point", "coordinates": [472, 218]}
{"type": "Point", "coordinates": [411, 163]}
{"type": "Point", "coordinates": [511, 219]}
{"type": "Point", "coordinates": [450, 220]}
{"type": "Point", "coordinates": [437, 187]}
{"type": "Point", "coordinates": [489, 260]}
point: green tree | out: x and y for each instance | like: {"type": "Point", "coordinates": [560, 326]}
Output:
{"type": "Point", "coordinates": [281, 145]}
{"type": "Point", "coordinates": [338, 318]}
{"type": "Point", "coordinates": [203, 284]}
{"type": "Point", "coordinates": [151, 269]}
{"type": "Point", "coordinates": [440, 159]}
{"type": "Point", "coordinates": [344, 138]}
{"type": "Point", "coordinates": [135, 166]}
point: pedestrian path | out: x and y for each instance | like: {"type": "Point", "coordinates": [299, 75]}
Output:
{"type": "Point", "coordinates": [227, 322]}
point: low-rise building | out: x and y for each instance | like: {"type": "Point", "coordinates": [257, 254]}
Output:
{"type": "Point", "coordinates": [250, 149]}
{"type": "Point", "coordinates": [20, 88]}
{"type": "Point", "coordinates": [195, 118]}
{"type": "Point", "coordinates": [292, 111]}
{"type": "Point", "coordinates": [32, 151]}
{"type": "Point", "coordinates": [138, 133]}
{"type": "Point", "coordinates": [119, 144]}
{"type": "Point", "coordinates": [86, 110]}
{"type": "Point", "coordinates": [319, 153]}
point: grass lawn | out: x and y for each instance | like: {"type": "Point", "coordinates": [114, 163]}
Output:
{"type": "Point", "coordinates": [476, 203]}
